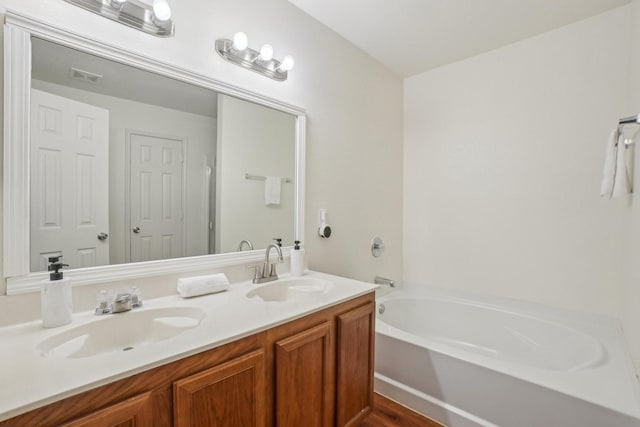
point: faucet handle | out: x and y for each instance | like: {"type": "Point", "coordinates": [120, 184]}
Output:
{"type": "Point", "coordinates": [256, 271]}
{"type": "Point", "coordinates": [103, 302]}
{"type": "Point", "coordinates": [136, 297]}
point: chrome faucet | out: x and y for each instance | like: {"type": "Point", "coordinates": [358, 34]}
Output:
{"type": "Point", "coordinates": [245, 242]}
{"type": "Point", "coordinates": [124, 301]}
{"type": "Point", "coordinates": [268, 271]}
{"type": "Point", "coordinates": [121, 303]}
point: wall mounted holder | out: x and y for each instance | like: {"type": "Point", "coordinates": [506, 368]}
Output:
{"type": "Point", "coordinates": [324, 230]}
{"type": "Point", "coordinates": [262, 62]}
{"type": "Point", "coordinates": [377, 247]}
{"type": "Point", "coordinates": [153, 18]}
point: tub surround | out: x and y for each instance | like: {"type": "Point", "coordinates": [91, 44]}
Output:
{"type": "Point", "coordinates": [525, 351]}
{"type": "Point", "coordinates": [229, 316]}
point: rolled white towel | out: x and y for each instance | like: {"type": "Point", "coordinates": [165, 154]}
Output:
{"type": "Point", "coordinates": [202, 285]}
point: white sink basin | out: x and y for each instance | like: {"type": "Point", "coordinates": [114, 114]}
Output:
{"type": "Point", "coordinates": [121, 332]}
{"type": "Point", "coordinates": [298, 289]}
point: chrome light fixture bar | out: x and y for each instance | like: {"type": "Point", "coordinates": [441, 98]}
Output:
{"type": "Point", "coordinates": [237, 52]}
{"type": "Point", "coordinates": [152, 18]}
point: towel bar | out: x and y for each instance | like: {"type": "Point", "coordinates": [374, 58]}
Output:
{"type": "Point", "coordinates": [263, 178]}
{"type": "Point", "coordinates": [628, 120]}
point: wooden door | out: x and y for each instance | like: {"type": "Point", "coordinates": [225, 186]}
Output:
{"type": "Point", "coordinates": [228, 395]}
{"type": "Point", "coordinates": [354, 364]}
{"type": "Point", "coordinates": [304, 384]}
{"type": "Point", "coordinates": [156, 198]}
{"type": "Point", "coordinates": [69, 182]}
{"type": "Point", "coordinates": [134, 412]}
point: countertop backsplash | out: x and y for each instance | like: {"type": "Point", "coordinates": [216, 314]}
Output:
{"type": "Point", "coordinates": [26, 307]}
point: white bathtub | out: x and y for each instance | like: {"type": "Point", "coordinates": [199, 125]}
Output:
{"type": "Point", "coordinates": [487, 362]}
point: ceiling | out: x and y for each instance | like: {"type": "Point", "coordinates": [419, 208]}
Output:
{"type": "Point", "coordinates": [413, 36]}
{"type": "Point", "coordinates": [53, 63]}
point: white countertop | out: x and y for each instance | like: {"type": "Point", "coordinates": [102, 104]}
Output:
{"type": "Point", "coordinates": [29, 380]}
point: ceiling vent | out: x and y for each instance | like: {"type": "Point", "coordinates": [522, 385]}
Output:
{"type": "Point", "coordinates": [84, 76]}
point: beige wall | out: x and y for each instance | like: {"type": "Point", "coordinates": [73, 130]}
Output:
{"type": "Point", "coordinates": [630, 314]}
{"type": "Point", "coordinates": [503, 159]}
{"type": "Point", "coordinates": [354, 107]}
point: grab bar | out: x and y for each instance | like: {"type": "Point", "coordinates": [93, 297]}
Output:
{"type": "Point", "coordinates": [384, 281]}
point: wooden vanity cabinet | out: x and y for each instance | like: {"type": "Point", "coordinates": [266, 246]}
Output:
{"type": "Point", "coordinates": [134, 412]}
{"type": "Point", "coordinates": [227, 395]}
{"type": "Point", "coordinates": [304, 378]}
{"type": "Point", "coordinates": [312, 371]}
{"type": "Point", "coordinates": [354, 376]}
{"type": "Point", "coordinates": [324, 371]}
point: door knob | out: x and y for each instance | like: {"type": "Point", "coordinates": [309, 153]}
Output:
{"type": "Point", "coordinates": [103, 236]}
{"type": "Point", "coordinates": [136, 230]}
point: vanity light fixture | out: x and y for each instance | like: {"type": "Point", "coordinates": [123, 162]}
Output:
{"type": "Point", "coordinates": [161, 10]}
{"type": "Point", "coordinates": [152, 17]}
{"type": "Point", "coordinates": [237, 51]}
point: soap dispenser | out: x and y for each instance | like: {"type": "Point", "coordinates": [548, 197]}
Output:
{"type": "Point", "coordinates": [297, 259]}
{"type": "Point", "coordinates": [55, 296]}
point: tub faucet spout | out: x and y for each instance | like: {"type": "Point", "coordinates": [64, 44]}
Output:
{"type": "Point", "coordinates": [384, 281]}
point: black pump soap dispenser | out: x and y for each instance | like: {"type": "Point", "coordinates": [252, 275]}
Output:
{"type": "Point", "coordinates": [55, 296]}
{"type": "Point", "coordinates": [56, 266]}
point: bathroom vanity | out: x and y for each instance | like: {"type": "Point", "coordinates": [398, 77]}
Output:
{"type": "Point", "coordinates": [296, 361]}
{"type": "Point", "coordinates": [255, 355]}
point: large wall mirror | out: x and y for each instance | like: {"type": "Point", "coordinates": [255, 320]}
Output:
{"type": "Point", "coordinates": [133, 167]}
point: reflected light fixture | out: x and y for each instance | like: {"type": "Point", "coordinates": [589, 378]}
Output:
{"type": "Point", "coordinates": [152, 17]}
{"type": "Point", "coordinates": [237, 51]}
{"type": "Point", "coordinates": [161, 10]}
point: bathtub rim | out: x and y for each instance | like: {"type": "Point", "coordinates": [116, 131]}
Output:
{"type": "Point", "coordinates": [616, 349]}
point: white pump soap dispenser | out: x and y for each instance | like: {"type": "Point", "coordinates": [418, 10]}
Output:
{"type": "Point", "coordinates": [297, 260]}
{"type": "Point", "coordinates": [55, 296]}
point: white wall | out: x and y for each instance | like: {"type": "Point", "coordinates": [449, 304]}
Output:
{"type": "Point", "coordinates": [199, 134]}
{"type": "Point", "coordinates": [259, 141]}
{"type": "Point", "coordinates": [354, 107]}
{"type": "Point", "coordinates": [630, 314]}
{"type": "Point", "coordinates": [502, 166]}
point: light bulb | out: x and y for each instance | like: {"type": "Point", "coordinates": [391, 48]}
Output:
{"type": "Point", "coordinates": [240, 41]}
{"type": "Point", "coordinates": [161, 10]}
{"type": "Point", "coordinates": [266, 52]}
{"type": "Point", "coordinates": [287, 63]}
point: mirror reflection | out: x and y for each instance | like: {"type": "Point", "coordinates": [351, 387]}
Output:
{"type": "Point", "coordinates": [128, 165]}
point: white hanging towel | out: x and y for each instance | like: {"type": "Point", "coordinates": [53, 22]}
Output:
{"type": "Point", "coordinates": [272, 189]}
{"type": "Point", "coordinates": [615, 178]}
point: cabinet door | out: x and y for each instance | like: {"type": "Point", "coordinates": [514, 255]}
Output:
{"type": "Point", "coordinates": [134, 412]}
{"type": "Point", "coordinates": [305, 378]}
{"type": "Point", "coordinates": [231, 394]}
{"type": "Point", "coordinates": [354, 396]}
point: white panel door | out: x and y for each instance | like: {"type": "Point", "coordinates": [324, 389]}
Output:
{"type": "Point", "coordinates": [69, 182]}
{"type": "Point", "coordinates": [157, 230]}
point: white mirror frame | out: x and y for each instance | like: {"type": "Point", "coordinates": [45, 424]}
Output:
{"type": "Point", "coordinates": [18, 31]}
